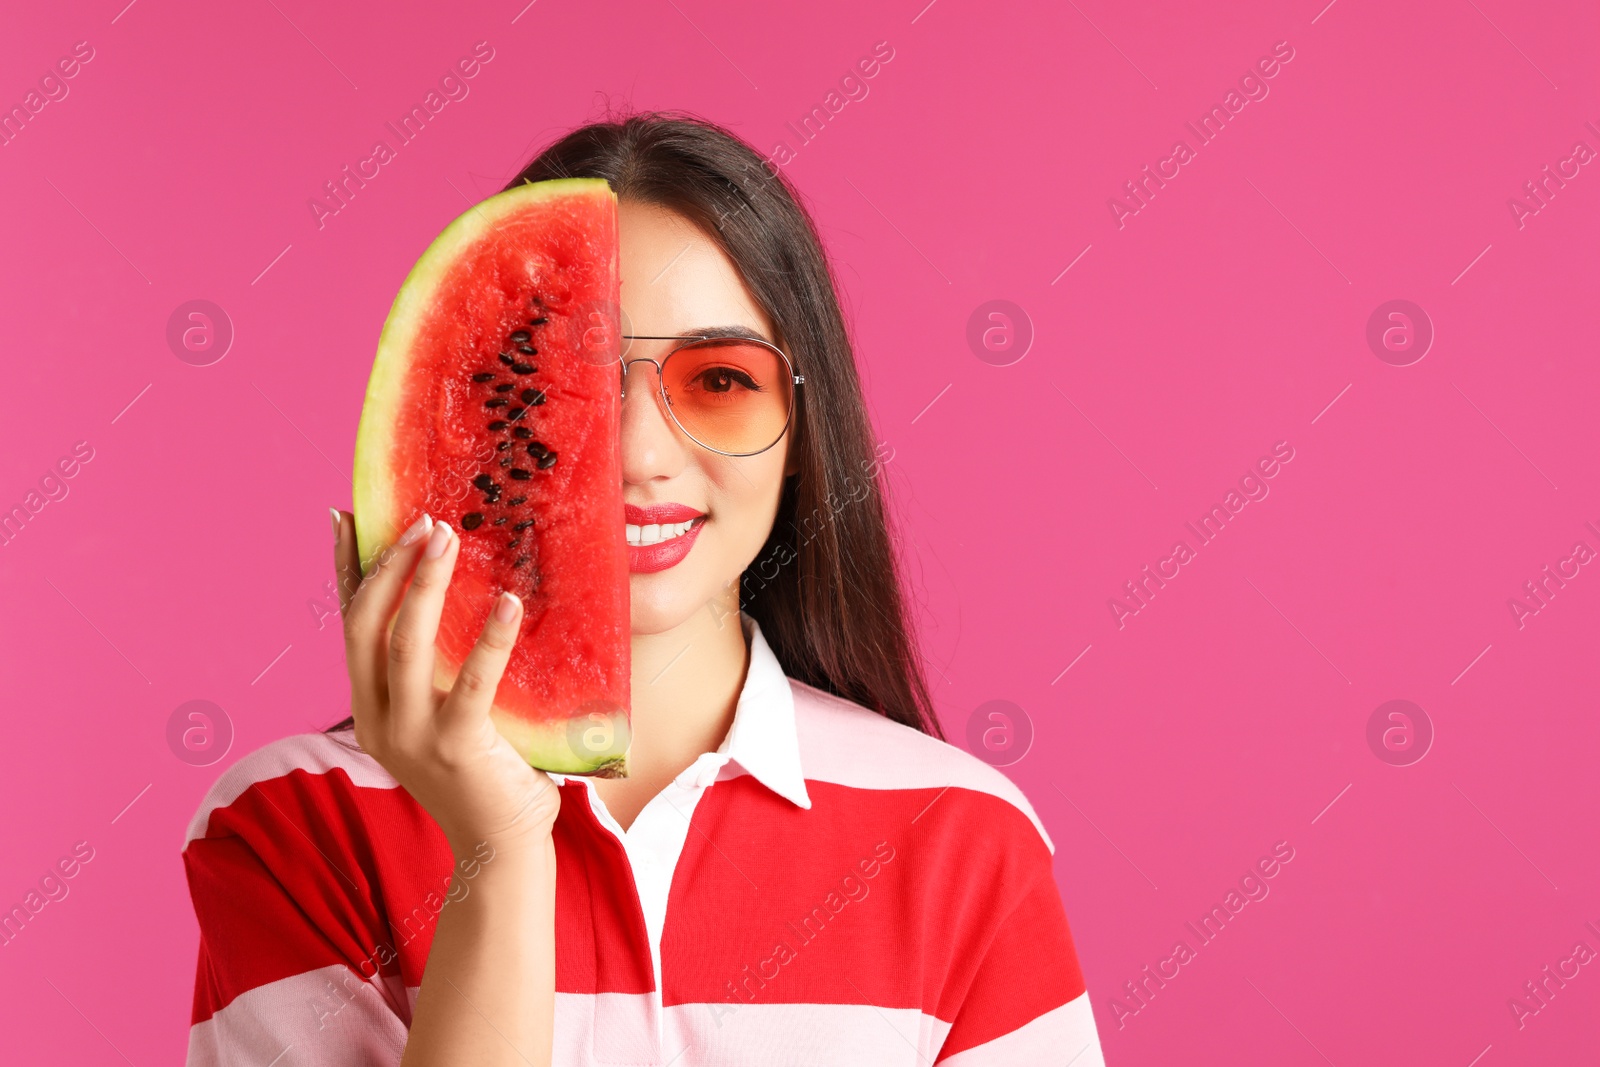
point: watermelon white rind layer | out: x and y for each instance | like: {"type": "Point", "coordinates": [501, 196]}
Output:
{"type": "Point", "coordinates": [595, 745]}
{"type": "Point", "coordinates": [594, 740]}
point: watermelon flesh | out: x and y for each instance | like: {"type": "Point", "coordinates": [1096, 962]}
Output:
{"type": "Point", "coordinates": [494, 405]}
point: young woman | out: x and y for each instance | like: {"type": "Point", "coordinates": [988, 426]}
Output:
{"type": "Point", "coordinates": [798, 870]}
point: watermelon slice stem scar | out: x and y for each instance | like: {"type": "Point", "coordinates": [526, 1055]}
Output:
{"type": "Point", "coordinates": [490, 408]}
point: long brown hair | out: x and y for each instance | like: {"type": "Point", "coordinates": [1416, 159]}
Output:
{"type": "Point", "coordinates": [825, 587]}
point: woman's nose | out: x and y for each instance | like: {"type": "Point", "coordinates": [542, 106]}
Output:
{"type": "Point", "coordinates": [650, 448]}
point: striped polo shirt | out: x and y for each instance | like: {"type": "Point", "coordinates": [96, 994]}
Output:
{"type": "Point", "coordinates": [829, 887]}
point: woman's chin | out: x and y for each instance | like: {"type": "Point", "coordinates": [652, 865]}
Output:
{"type": "Point", "coordinates": [666, 598]}
{"type": "Point", "coordinates": [658, 603]}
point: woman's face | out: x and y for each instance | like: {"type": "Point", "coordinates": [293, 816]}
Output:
{"type": "Point", "coordinates": [675, 281]}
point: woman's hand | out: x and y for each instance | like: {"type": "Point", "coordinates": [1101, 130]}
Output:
{"type": "Point", "coordinates": [442, 748]}
{"type": "Point", "coordinates": [488, 990]}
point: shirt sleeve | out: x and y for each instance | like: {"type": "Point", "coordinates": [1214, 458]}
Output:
{"type": "Point", "coordinates": [1026, 1002]}
{"type": "Point", "coordinates": [290, 969]}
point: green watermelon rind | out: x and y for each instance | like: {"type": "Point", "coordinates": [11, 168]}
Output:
{"type": "Point", "coordinates": [546, 745]}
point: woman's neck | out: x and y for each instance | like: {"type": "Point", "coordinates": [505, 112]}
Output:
{"type": "Point", "coordinates": [685, 687]}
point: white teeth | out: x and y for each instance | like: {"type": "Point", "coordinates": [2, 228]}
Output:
{"type": "Point", "coordinates": [655, 533]}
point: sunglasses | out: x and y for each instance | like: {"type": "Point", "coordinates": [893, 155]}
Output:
{"type": "Point", "coordinates": [732, 395]}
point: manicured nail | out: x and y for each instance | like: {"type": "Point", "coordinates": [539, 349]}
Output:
{"type": "Point", "coordinates": [418, 528]}
{"type": "Point", "coordinates": [506, 608]}
{"type": "Point", "coordinates": [438, 542]}
{"type": "Point", "coordinates": [334, 512]}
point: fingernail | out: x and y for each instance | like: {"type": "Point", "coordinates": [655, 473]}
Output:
{"type": "Point", "coordinates": [418, 528]}
{"type": "Point", "coordinates": [438, 542]}
{"type": "Point", "coordinates": [334, 512]}
{"type": "Point", "coordinates": [506, 608]}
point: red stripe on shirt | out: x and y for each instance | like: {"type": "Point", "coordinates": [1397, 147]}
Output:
{"type": "Point", "coordinates": [822, 918]}
{"type": "Point", "coordinates": [307, 870]}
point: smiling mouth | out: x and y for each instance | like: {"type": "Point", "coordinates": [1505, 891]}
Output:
{"type": "Point", "coordinates": [656, 533]}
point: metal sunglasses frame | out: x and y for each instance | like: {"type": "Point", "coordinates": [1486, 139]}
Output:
{"type": "Point", "coordinates": [687, 339]}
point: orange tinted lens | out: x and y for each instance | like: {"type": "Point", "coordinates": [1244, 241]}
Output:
{"type": "Point", "coordinates": [730, 394]}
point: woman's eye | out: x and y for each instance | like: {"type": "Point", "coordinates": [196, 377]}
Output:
{"type": "Point", "coordinates": [723, 380]}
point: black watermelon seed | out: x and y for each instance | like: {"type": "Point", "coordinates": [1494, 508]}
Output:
{"type": "Point", "coordinates": [522, 561]}
{"type": "Point", "coordinates": [514, 501]}
{"type": "Point", "coordinates": [471, 520]}
{"type": "Point", "coordinates": [522, 432]}
{"type": "Point", "coordinates": [486, 377]}
{"type": "Point", "coordinates": [523, 525]}
{"type": "Point", "coordinates": [527, 350]}
{"type": "Point", "coordinates": [506, 462]}
{"type": "Point", "coordinates": [501, 521]}
{"type": "Point", "coordinates": [484, 482]}
{"type": "Point", "coordinates": [536, 401]}
{"type": "Point", "coordinates": [523, 368]}
{"type": "Point", "coordinates": [505, 357]}
{"type": "Point", "coordinates": [540, 321]}
{"type": "Point", "coordinates": [514, 542]}
{"type": "Point", "coordinates": [503, 445]}
{"type": "Point", "coordinates": [522, 335]}
{"type": "Point", "coordinates": [537, 448]}
{"type": "Point", "coordinates": [547, 461]}
{"type": "Point", "coordinates": [516, 413]}
{"type": "Point", "coordinates": [504, 387]}
{"type": "Point", "coordinates": [497, 402]}
{"type": "Point", "coordinates": [498, 424]}
{"type": "Point", "coordinates": [492, 495]}
{"type": "Point", "coordinates": [521, 475]}
{"type": "Point", "coordinates": [528, 395]}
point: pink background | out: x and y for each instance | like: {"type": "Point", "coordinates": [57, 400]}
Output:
{"type": "Point", "coordinates": [1224, 317]}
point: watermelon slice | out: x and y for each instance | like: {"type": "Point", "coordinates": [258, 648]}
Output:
{"type": "Point", "coordinates": [493, 405]}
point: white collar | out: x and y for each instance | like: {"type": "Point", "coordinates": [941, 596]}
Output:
{"type": "Point", "coordinates": [762, 738]}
